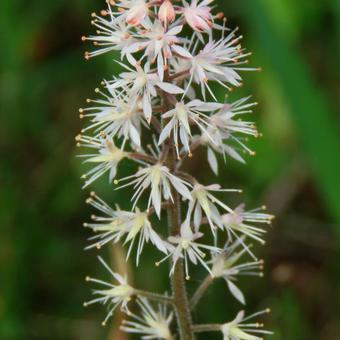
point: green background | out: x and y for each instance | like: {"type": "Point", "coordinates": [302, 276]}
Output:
{"type": "Point", "coordinates": [296, 172]}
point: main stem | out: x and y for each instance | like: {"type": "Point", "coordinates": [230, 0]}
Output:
{"type": "Point", "coordinates": [180, 296]}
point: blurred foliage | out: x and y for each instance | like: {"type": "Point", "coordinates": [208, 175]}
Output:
{"type": "Point", "coordinates": [296, 171]}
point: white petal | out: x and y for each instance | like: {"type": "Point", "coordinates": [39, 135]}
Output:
{"type": "Point", "coordinates": [131, 59]}
{"type": "Point", "coordinates": [158, 242]}
{"type": "Point", "coordinates": [156, 199]}
{"type": "Point", "coordinates": [181, 51]}
{"type": "Point", "coordinates": [192, 256]}
{"type": "Point", "coordinates": [180, 187]}
{"type": "Point", "coordinates": [236, 292]}
{"type": "Point", "coordinates": [160, 66]}
{"type": "Point", "coordinates": [166, 131]}
{"type": "Point", "coordinates": [147, 107]}
{"type": "Point", "coordinates": [175, 30]}
{"type": "Point", "coordinates": [113, 172]}
{"type": "Point", "coordinates": [239, 317]}
{"type": "Point", "coordinates": [233, 153]}
{"type": "Point", "coordinates": [197, 216]}
{"type": "Point", "coordinates": [212, 161]}
{"type": "Point", "coordinates": [134, 134]}
{"type": "Point", "coordinates": [170, 88]}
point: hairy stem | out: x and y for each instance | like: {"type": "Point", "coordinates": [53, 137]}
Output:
{"type": "Point", "coordinates": [142, 157]}
{"type": "Point", "coordinates": [179, 292]}
{"type": "Point", "coordinates": [180, 295]}
{"type": "Point", "coordinates": [200, 291]}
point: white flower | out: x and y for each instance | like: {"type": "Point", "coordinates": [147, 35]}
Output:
{"type": "Point", "coordinates": [218, 61]}
{"type": "Point", "coordinates": [202, 199]}
{"type": "Point", "coordinates": [107, 157]}
{"type": "Point", "coordinates": [114, 295]}
{"type": "Point", "coordinates": [227, 118]}
{"type": "Point", "coordinates": [198, 15]}
{"type": "Point", "coordinates": [142, 82]}
{"type": "Point", "coordinates": [188, 249]}
{"type": "Point", "coordinates": [159, 44]}
{"type": "Point", "coordinates": [159, 178]}
{"type": "Point", "coordinates": [153, 324]}
{"type": "Point", "coordinates": [112, 35]}
{"type": "Point", "coordinates": [225, 265]}
{"type": "Point", "coordinates": [217, 143]}
{"type": "Point", "coordinates": [118, 114]}
{"type": "Point", "coordinates": [181, 117]}
{"type": "Point", "coordinates": [238, 330]}
{"type": "Point", "coordinates": [240, 222]}
{"type": "Point", "coordinates": [118, 224]}
{"type": "Point", "coordinates": [225, 127]}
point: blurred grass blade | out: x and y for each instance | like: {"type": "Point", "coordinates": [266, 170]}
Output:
{"type": "Point", "coordinates": [315, 126]}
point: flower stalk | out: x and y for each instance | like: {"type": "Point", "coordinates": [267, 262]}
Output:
{"type": "Point", "coordinates": [153, 296]}
{"type": "Point", "coordinates": [181, 300]}
{"type": "Point", "coordinates": [200, 291]}
{"type": "Point", "coordinates": [206, 328]}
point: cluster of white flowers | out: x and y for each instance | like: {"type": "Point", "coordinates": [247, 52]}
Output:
{"type": "Point", "coordinates": [164, 94]}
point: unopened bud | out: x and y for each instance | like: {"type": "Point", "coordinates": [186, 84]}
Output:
{"type": "Point", "coordinates": [166, 12]}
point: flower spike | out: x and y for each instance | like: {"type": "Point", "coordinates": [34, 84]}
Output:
{"type": "Point", "coordinates": [142, 129]}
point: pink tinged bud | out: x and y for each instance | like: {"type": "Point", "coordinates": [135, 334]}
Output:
{"type": "Point", "coordinates": [137, 14]}
{"type": "Point", "coordinates": [199, 18]}
{"type": "Point", "coordinates": [166, 12]}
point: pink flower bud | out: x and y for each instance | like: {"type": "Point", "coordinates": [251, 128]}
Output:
{"type": "Point", "coordinates": [198, 17]}
{"type": "Point", "coordinates": [137, 14]}
{"type": "Point", "coordinates": [166, 12]}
